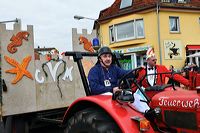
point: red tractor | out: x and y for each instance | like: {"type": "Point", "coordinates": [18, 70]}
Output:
{"type": "Point", "coordinates": [172, 109]}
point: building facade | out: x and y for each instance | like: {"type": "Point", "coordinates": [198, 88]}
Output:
{"type": "Point", "coordinates": [171, 27]}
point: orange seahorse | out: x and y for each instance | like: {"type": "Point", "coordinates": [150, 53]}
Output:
{"type": "Point", "coordinates": [87, 45]}
{"type": "Point", "coordinates": [16, 41]}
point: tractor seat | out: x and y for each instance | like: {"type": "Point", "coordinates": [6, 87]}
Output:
{"type": "Point", "coordinates": [157, 87]}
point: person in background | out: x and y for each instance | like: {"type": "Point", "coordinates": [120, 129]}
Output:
{"type": "Point", "coordinates": [185, 74]}
{"type": "Point", "coordinates": [149, 72]}
{"type": "Point", "coordinates": [170, 80]}
{"type": "Point", "coordinates": [104, 76]}
{"type": "Point", "coordinates": [194, 67]}
{"type": "Point", "coordinates": [171, 68]}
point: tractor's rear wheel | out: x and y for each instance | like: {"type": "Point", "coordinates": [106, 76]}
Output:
{"type": "Point", "coordinates": [91, 120]}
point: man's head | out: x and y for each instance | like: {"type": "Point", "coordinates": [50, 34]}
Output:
{"type": "Point", "coordinates": [105, 56]}
{"type": "Point", "coordinates": [150, 57]}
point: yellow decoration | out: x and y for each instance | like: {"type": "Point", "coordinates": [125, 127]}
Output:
{"type": "Point", "coordinates": [19, 70]}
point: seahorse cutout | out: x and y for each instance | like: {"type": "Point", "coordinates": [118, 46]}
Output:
{"type": "Point", "coordinates": [87, 45]}
{"type": "Point", "coordinates": [16, 41]}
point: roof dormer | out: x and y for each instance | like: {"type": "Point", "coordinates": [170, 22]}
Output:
{"type": "Point", "coordinates": [125, 3]}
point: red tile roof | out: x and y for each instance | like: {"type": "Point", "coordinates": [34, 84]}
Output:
{"type": "Point", "coordinates": [140, 5]}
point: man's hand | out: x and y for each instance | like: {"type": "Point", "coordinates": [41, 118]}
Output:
{"type": "Point", "coordinates": [115, 89]}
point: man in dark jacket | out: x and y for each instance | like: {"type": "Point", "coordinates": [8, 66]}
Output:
{"type": "Point", "coordinates": [104, 76]}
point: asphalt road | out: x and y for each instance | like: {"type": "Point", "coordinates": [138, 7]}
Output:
{"type": "Point", "coordinates": [1, 127]}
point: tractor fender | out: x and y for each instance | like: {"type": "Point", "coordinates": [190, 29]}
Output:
{"type": "Point", "coordinates": [120, 113]}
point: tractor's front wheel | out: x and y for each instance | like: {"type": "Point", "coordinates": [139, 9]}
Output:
{"type": "Point", "coordinates": [91, 120]}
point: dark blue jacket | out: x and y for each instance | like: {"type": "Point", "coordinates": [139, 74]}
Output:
{"type": "Point", "coordinates": [98, 74]}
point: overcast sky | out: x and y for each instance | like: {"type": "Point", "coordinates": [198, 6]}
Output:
{"type": "Point", "coordinates": [53, 20]}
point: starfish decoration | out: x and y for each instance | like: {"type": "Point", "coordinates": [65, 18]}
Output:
{"type": "Point", "coordinates": [19, 70]}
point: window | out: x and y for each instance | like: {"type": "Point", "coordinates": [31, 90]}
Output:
{"type": "Point", "coordinates": [139, 28]}
{"type": "Point", "coordinates": [126, 63]}
{"type": "Point", "coordinates": [127, 31]}
{"type": "Point", "coordinates": [176, 1]}
{"type": "Point", "coordinates": [125, 3]}
{"type": "Point", "coordinates": [165, 1]}
{"type": "Point", "coordinates": [112, 34]}
{"type": "Point", "coordinates": [181, 1]}
{"type": "Point", "coordinates": [174, 24]}
{"type": "Point", "coordinates": [195, 60]}
{"type": "Point", "coordinates": [173, 1]}
{"type": "Point", "coordinates": [199, 20]}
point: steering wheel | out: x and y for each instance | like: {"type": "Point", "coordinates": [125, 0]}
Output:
{"type": "Point", "coordinates": [125, 82]}
{"type": "Point", "coordinates": [127, 94]}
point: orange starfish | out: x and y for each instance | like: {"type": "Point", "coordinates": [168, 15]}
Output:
{"type": "Point", "coordinates": [19, 70]}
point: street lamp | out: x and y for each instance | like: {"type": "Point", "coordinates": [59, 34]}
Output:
{"type": "Point", "coordinates": [77, 17]}
{"type": "Point", "coordinates": [15, 20]}
{"type": "Point", "coordinates": [81, 17]}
